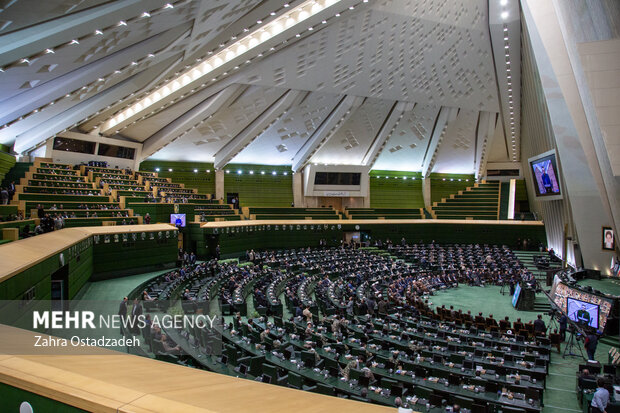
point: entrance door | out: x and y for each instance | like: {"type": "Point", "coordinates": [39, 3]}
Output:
{"type": "Point", "coordinates": [332, 201]}
{"type": "Point", "coordinates": [60, 288]}
{"type": "Point", "coordinates": [351, 236]}
{"type": "Point", "coordinates": [230, 196]}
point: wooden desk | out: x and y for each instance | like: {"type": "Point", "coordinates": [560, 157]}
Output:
{"type": "Point", "coordinates": [330, 222]}
{"type": "Point", "coordinates": [18, 256]}
{"type": "Point", "coordinates": [114, 382]}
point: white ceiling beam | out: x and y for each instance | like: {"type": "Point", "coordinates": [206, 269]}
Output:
{"type": "Point", "coordinates": [22, 103]}
{"type": "Point", "coordinates": [258, 126]}
{"type": "Point", "coordinates": [390, 123]}
{"type": "Point", "coordinates": [35, 39]}
{"type": "Point", "coordinates": [329, 126]}
{"type": "Point", "coordinates": [484, 134]}
{"type": "Point", "coordinates": [446, 115]}
{"type": "Point", "coordinates": [76, 113]}
{"type": "Point", "coordinates": [218, 99]}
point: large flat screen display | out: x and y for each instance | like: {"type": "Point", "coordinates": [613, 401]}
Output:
{"type": "Point", "coordinates": [545, 175]}
{"type": "Point", "coordinates": [582, 312]}
{"type": "Point", "coordinates": [515, 296]}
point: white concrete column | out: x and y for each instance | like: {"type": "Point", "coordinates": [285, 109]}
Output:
{"type": "Point", "coordinates": [426, 191]}
{"type": "Point", "coordinates": [219, 184]}
{"type": "Point", "coordinates": [298, 190]}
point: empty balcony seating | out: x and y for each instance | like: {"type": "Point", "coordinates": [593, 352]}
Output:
{"type": "Point", "coordinates": [386, 213]}
{"type": "Point", "coordinates": [290, 213]}
{"type": "Point", "coordinates": [216, 212]}
{"type": "Point", "coordinates": [480, 201]}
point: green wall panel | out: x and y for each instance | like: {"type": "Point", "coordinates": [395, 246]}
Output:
{"type": "Point", "coordinates": [390, 189]}
{"type": "Point", "coordinates": [444, 185]}
{"type": "Point", "coordinates": [257, 189]}
{"type": "Point", "coordinates": [234, 241]}
{"type": "Point", "coordinates": [160, 213]}
{"type": "Point", "coordinates": [504, 200]}
{"type": "Point", "coordinates": [12, 398]}
{"type": "Point", "coordinates": [114, 257]}
{"type": "Point", "coordinates": [184, 173]}
{"type": "Point", "coordinates": [6, 163]}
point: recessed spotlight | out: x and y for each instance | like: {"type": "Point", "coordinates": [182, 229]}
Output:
{"type": "Point", "coordinates": [504, 15]}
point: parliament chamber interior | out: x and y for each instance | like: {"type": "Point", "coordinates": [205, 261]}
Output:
{"type": "Point", "coordinates": [310, 206]}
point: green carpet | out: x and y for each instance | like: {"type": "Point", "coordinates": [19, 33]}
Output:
{"type": "Point", "coordinates": [114, 289]}
{"type": "Point", "coordinates": [606, 285]}
{"type": "Point", "coordinates": [487, 300]}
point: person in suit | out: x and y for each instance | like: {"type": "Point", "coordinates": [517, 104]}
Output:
{"type": "Point", "coordinates": [539, 325]}
{"type": "Point", "coordinates": [11, 190]}
{"type": "Point", "coordinates": [5, 196]}
{"type": "Point", "coordinates": [590, 344]}
{"type": "Point", "coordinates": [563, 322]}
{"type": "Point", "coordinates": [122, 312]}
{"type": "Point", "coordinates": [583, 316]}
{"type": "Point", "coordinates": [136, 311]}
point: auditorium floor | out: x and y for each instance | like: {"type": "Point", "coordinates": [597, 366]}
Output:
{"type": "Point", "coordinates": [486, 300]}
{"type": "Point", "coordinates": [560, 395]}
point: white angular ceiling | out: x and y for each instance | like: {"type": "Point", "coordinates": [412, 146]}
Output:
{"type": "Point", "coordinates": [393, 84]}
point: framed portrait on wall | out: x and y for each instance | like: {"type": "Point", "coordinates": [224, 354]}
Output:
{"type": "Point", "coordinates": [609, 239]}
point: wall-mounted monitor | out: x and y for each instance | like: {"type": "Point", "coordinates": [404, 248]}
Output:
{"type": "Point", "coordinates": [546, 176]}
{"type": "Point", "coordinates": [178, 220]}
{"type": "Point", "coordinates": [515, 296]}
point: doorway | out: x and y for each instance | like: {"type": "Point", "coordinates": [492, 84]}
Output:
{"type": "Point", "coordinates": [333, 201]}
{"type": "Point", "coordinates": [352, 236]}
{"type": "Point", "coordinates": [233, 198]}
{"type": "Point", "coordinates": [60, 288]}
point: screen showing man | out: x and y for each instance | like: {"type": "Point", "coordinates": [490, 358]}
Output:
{"type": "Point", "coordinates": [178, 220]}
{"type": "Point", "coordinates": [545, 176]}
{"type": "Point", "coordinates": [582, 312]}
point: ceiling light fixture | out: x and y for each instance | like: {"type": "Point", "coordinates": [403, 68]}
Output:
{"type": "Point", "coordinates": [295, 16]}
